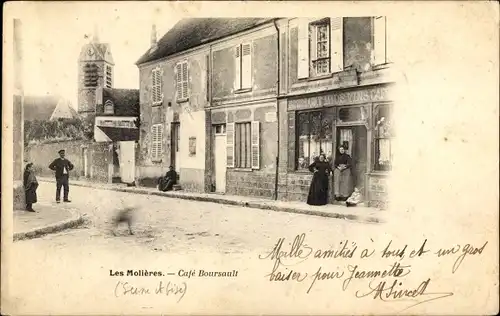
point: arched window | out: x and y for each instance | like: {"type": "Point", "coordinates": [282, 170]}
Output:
{"type": "Point", "coordinates": [108, 107]}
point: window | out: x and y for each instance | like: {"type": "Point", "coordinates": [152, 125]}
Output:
{"type": "Point", "coordinates": [320, 47]}
{"type": "Point", "coordinates": [156, 86]}
{"type": "Point", "coordinates": [181, 79]}
{"type": "Point", "coordinates": [109, 77]}
{"type": "Point", "coordinates": [384, 133]}
{"type": "Point", "coordinates": [220, 129]}
{"type": "Point", "coordinates": [90, 75]}
{"type": "Point", "coordinates": [192, 146]}
{"type": "Point", "coordinates": [156, 141]}
{"type": "Point", "coordinates": [243, 145]}
{"type": "Point", "coordinates": [315, 136]}
{"type": "Point", "coordinates": [108, 107]}
{"type": "Point", "coordinates": [243, 67]}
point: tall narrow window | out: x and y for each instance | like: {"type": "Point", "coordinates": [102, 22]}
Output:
{"type": "Point", "coordinates": [156, 86]}
{"type": "Point", "coordinates": [320, 48]}
{"type": "Point", "coordinates": [156, 141]}
{"type": "Point", "coordinates": [243, 67]}
{"type": "Point", "coordinates": [182, 80]}
{"type": "Point", "coordinates": [109, 77]}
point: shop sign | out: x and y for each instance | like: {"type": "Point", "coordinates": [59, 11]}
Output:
{"type": "Point", "coordinates": [341, 98]}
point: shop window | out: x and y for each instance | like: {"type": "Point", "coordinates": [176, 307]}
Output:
{"type": "Point", "coordinates": [314, 137]}
{"type": "Point", "coordinates": [384, 134]}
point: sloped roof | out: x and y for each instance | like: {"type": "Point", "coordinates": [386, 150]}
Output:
{"type": "Point", "coordinates": [39, 107]}
{"type": "Point", "coordinates": [125, 101]}
{"type": "Point", "coordinates": [189, 33]}
{"type": "Point", "coordinates": [117, 134]}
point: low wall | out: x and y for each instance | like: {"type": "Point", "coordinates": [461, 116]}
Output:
{"type": "Point", "coordinates": [250, 183]}
{"type": "Point", "coordinates": [41, 155]}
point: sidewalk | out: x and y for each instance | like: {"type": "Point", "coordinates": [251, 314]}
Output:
{"type": "Point", "coordinates": [49, 218]}
{"type": "Point", "coordinates": [362, 214]}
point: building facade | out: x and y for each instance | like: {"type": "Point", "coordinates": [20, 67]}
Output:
{"type": "Point", "coordinates": [191, 114]}
{"type": "Point", "coordinates": [243, 106]}
{"type": "Point", "coordinates": [335, 90]}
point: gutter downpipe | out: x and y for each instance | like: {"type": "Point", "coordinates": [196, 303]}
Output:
{"type": "Point", "coordinates": [277, 111]}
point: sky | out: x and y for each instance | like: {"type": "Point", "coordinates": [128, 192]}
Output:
{"type": "Point", "coordinates": [52, 40]}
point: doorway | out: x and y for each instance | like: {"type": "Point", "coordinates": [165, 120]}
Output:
{"type": "Point", "coordinates": [220, 157]}
{"type": "Point", "coordinates": [176, 138]}
{"type": "Point", "coordinates": [127, 161]}
{"type": "Point", "coordinates": [354, 138]}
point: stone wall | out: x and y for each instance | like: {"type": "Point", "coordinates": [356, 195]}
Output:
{"type": "Point", "coordinates": [378, 190]}
{"type": "Point", "coordinates": [250, 183]}
{"type": "Point", "coordinates": [99, 158]}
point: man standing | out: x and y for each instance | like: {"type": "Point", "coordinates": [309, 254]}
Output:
{"type": "Point", "coordinates": [61, 166]}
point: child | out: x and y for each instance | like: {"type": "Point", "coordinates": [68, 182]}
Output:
{"type": "Point", "coordinates": [355, 198]}
{"type": "Point", "coordinates": [30, 185]}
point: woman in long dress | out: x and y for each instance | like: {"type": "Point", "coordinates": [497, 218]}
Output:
{"type": "Point", "coordinates": [342, 175]}
{"type": "Point", "coordinates": [30, 186]}
{"type": "Point", "coordinates": [318, 191]}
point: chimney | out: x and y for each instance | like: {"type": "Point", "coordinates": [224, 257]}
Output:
{"type": "Point", "coordinates": [154, 42]}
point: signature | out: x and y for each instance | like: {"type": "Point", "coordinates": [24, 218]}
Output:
{"type": "Point", "coordinates": [167, 289]}
{"type": "Point", "coordinates": [386, 293]}
{"type": "Point", "coordinates": [298, 249]}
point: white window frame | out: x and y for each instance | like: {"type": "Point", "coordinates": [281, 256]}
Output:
{"type": "Point", "coordinates": [156, 86]}
{"type": "Point", "coordinates": [182, 80]}
{"type": "Point", "coordinates": [314, 47]}
{"type": "Point", "coordinates": [254, 146]}
{"type": "Point", "coordinates": [156, 142]}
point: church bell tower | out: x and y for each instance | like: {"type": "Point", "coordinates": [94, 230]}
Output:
{"type": "Point", "coordinates": [95, 70]}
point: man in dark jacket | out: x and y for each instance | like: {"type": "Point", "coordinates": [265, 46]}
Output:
{"type": "Point", "coordinates": [61, 166]}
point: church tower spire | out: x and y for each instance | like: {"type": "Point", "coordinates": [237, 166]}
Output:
{"type": "Point", "coordinates": [95, 36]}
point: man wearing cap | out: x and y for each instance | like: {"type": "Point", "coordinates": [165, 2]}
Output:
{"type": "Point", "coordinates": [61, 166]}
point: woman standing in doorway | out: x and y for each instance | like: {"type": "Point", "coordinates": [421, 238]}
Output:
{"type": "Point", "coordinates": [318, 191]}
{"type": "Point", "coordinates": [30, 186]}
{"type": "Point", "coordinates": [342, 176]}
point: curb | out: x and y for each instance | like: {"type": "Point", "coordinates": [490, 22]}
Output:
{"type": "Point", "coordinates": [75, 221]}
{"type": "Point", "coordinates": [257, 205]}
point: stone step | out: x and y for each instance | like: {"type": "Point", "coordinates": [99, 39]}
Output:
{"type": "Point", "coordinates": [177, 187]}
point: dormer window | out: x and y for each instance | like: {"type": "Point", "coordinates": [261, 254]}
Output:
{"type": "Point", "coordinates": [109, 107]}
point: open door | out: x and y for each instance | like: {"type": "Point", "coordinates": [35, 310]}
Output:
{"type": "Point", "coordinates": [355, 139]}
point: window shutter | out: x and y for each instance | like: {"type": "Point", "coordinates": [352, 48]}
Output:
{"type": "Point", "coordinates": [185, 81]}
{"type": "Point", "coordinates": [153, 85]}
{"type": "Point", "coordinates": [303, 49]}
{"type": "Point", "coordinates": [237, 68]}
{"type": "Point", "coordinates": [379, 35]}
{"type": "Point", "coordinates": [255, 145]}
{"type": "Point", "coordinates": [160, 85]}
{"type": "Point", "coordinates": [153, 141]}
{"type": "Point", "coordinates": [337, 44]}
{"type": "Point", "coordinates": [313, 41]}
{"type": "Point", "coordinates": [159, 150]}
{"type": "Point", "coordinates": [230, 144]}
{"type": "Point", "coordinates": [178, 80]}
{"type": "Point", "coordinates": [246, 66]}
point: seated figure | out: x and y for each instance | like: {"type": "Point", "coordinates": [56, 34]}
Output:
{"type": "Point", "coordinates": [355, 198]}
{"type": "Point", "coordinates": [167, 182]}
